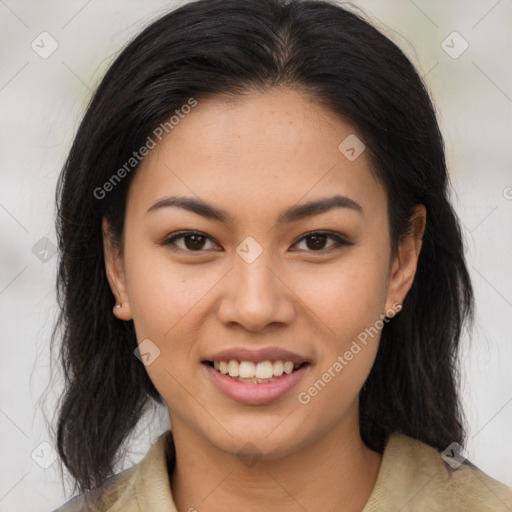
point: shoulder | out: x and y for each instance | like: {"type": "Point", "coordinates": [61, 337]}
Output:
{"type": "Point", "coordinates": [144, 486]}
{"type": "Point", "coordinates": [117, 490]}
{"type": "Point", "coordinates": [415, 476]}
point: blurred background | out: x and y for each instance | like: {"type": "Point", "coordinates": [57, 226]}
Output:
{"type": "Point", "coordinates": [53, 54]}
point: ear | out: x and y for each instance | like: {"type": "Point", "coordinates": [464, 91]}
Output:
{"type": "Point", "coordinates": [404, 264]}
{"type": "Point", "coordinates": [115, 273]}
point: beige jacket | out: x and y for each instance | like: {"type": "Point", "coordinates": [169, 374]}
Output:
{"type": "Point", "coordinates": [413, 477]}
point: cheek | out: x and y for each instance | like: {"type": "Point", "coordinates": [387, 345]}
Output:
{"type": "Point", "coordinates": [348, 300]}
{"type": "Point", "coordinates": [347, 296]}
{"type": "Point", "coordinates": [162, 293]}
{"type": "Point", "coordinates": [167, 301]}
{"type": "Point", "coordinates": [348, 304]}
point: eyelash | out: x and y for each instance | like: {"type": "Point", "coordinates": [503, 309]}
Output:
{"type": "Point", "coordinates": [340, 242]}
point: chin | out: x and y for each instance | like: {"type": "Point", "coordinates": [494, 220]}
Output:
{"type": "Point", "coordinates": [263, 438]}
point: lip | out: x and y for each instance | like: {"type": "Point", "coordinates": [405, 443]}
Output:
{"type": "Point", "coordinates": [255, 394]}
{"type": "Point", "coordinates": [255, 356]}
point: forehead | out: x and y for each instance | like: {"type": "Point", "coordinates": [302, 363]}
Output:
{"type": "Point", "coordinates": [269, 148]}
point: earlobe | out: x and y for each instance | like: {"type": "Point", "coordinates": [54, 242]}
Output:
{"type": "Point", "coordinates": [115, 274]}
{"type": "Point", "coordinates": [405, 263]}
{"type": "Point", "coordinates": [122, 311]}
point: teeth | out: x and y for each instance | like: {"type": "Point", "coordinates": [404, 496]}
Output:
{"type": "Point", "coordinates": [223, 367]}
{"type": "Point", "coordinates": [264, 370]}
{"type": "Point", "coordinates": [278, 368]}
{"type": "Point", "coordinates": [233, 367]}
{"type": "Point", "coordinates": [248, 370]}
{"type": "Point", "coordinates": [288, 367]}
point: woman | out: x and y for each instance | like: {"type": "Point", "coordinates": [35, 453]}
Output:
{"type": "Point", "coordinates": [255, 231]}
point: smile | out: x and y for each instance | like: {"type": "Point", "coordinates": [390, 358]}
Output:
{"type": "Point", "coordinates": [255, 372]}
{"type": "Point", "coordinates": [254, 390]}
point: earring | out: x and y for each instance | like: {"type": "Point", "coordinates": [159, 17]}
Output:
{"type": "Point", "coordinates": [117, 306]}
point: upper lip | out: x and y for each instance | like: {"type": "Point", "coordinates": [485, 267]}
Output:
{"type": "Point", "coordinates": [256, 356]}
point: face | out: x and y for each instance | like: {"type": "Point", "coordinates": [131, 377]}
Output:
{"type": "Point", "coordinates": [251, 237]}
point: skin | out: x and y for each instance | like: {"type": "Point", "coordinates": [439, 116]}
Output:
{"type": "Point", "coordinates": [255, 156]}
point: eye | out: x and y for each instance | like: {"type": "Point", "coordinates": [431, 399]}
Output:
{"type": "Point", "coordinates": [316, 240]}
{"type": "Point", "coordinates": [195, 241]}
{"type": "Point", "coordinates": [190, 241]}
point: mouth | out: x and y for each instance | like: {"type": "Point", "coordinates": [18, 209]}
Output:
{"type": "Point", "coordinates": [254, 372]}
{"type": "Point", "coordinates": [256, 377]}
{"type": "Point", "coordinates": [255, 382]}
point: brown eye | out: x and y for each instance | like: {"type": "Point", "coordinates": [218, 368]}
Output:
{"type": "Point", "coordinates": [316, 242]}
{"type": "Point", "coordinates": [189, 241]}
{"type": "Point", "coordinates": [194, 242]}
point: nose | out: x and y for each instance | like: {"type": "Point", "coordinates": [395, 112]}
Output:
{"type": "Point", "coordinates": [256, 296]}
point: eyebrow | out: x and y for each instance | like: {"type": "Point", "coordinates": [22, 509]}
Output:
{"type": "Point", "coordinates": [289, 215]}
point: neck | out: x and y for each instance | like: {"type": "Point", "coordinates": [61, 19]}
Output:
{"type": "Point", "coordinates": [337, 472]}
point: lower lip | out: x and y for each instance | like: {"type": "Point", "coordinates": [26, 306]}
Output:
{"type": "Point", "coordinates": [255, 394]}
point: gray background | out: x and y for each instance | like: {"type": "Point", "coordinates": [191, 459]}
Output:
{"type": "Point", "coordinates": [41, 101]}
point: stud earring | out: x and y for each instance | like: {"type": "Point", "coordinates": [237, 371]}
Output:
{"type": "Point", "coordinates": [117, 306]}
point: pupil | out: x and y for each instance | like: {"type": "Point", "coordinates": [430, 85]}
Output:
{"type": "Point", "coordinates": [197, 242]}
{"type": "Point", "coordinates": [318, 241]}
